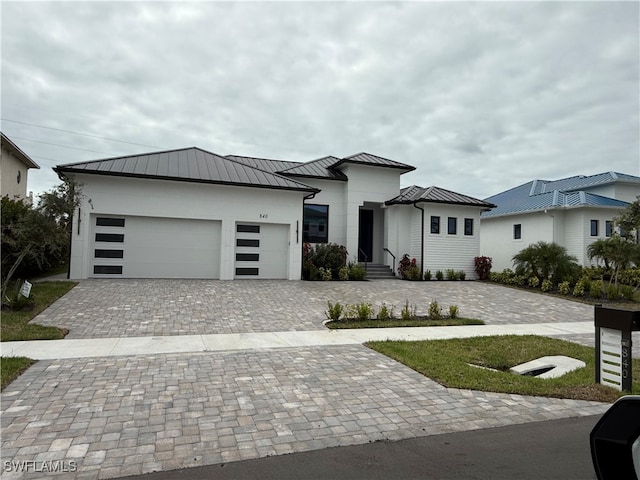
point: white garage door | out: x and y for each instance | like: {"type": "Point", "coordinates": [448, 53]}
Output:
{"type": "Point", "coordinates": [145, 247]}
{"type": "Point", "coordinates": [262, 250]}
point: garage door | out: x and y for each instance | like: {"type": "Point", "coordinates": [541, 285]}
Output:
{"type": "Point", "coordinates": [145, 247]}
{"type": "Point", "coordinates": [262, 250]}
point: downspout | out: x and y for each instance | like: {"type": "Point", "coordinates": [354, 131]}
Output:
{"type": "Point", "coordinates": [415, 204]}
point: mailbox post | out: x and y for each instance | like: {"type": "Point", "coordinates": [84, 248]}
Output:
{"type": "Point", "coordinates": [613, 345]}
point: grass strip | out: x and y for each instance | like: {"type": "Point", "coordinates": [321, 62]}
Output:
{"type": "Point", "coordinates": [15, 324]}
{"type": "Point", "coordinates": [447, 362]}
{"type": "Point", "coordinates": [12, 367]}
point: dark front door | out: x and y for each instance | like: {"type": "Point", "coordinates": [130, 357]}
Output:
{"type": "Point", "coordinates": [365, 236]}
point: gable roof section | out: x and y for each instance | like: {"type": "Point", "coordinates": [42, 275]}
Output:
{"type": "Point", "coordinates": [581, 182]}
{"type": "Point", "coordinates": [266, 164]}
{"type": "Point", "coordinates": [186, 165]}
{"type": "Point", "coordinates": [320, 168]}
{"type": "Point", "coordinates": [433, 194]}
{"type": "Point", "coordinates": [17, 152]}
{"type": "Point", "coordinates": [364, 158]}
{"type": "Point", "coordinates": [564, 193]}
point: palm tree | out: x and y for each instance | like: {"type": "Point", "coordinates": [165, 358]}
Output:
{"type": "Point", "coordinates": [546, 261]}
{"type": "Point", "coordinates": [601, 249]}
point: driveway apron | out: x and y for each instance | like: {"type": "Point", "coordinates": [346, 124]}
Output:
{"type": "Point", "coordinates": [108, 417]}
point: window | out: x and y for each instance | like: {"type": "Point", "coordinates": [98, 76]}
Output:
{"type": "Point", "coordinates": [435, 225]}
{"type": "Point", "coordinates": [247, 271]}
{"type": "Point", "coordinates": [468, 226]}
{"type": "Point", "coordinates": [517, 231]}
{"type": "Point", "coordinates": [315, 223]}
{"type": "Point", "coordinates": [98, 253]}
{"type": "Point", "coordinates": [247, 228]}
{"type": "Point", "coordinates": [247, 257]}
{"type": "Point", "coordinates": [247, 242]}
{"type": "Point", "coordinates": [594, 228]}
{"type": "Point", "coordinates": [110, 222]}
{"type": "Point", "coordinates": [452, 225]}
{"type": "Point", "coordinates": [608, 228]}
{"type": "Point", "coordinates": [110, 237]}
{"type": "Point", "coordinates": [107, 269]}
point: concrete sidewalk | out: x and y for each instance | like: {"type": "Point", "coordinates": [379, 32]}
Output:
{"type": "Point", "coordinates": [113, 347]}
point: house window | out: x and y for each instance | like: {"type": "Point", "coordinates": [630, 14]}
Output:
{"type": "Point", "coordinates": [468, 226]}
{"type": "Point", "coordinates": [452, 225]}
{"type": "Point", "coordinates": [240, 228]}
{"type": "Point", "coordinates": [608, 228]}
{"type": "Point", "coordinates": [110, 222]}
{"type": "Point", "coordinates": [517, 231]}
{"type": "Point", "coordinates": [594, 228]}
{"type": "Point", "coordinates": [315, 223]}
{"type": "Point", "coordinates": [435, 225]}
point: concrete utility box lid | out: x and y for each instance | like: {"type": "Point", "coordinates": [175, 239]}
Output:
{"type": "Point", "coordinates": [557, 366]}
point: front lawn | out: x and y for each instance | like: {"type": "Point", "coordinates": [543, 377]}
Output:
{"type": "Point", "coordinates": [15, 323]}
{"type": "Point", "coordinates": [447, 362]}
{"type": "Point", "coordinates": [15, 326]}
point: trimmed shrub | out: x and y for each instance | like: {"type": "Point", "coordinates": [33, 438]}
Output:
{"type": "Point", "coordinates": [462, 275]}
{"type": "Point", "coordinates": [357, 272]}
{"type": "Point", "coordinates": [385, 313]}
{"type": "Point", "coordinates": [453, 311]}
{"type": "Point", "coordinates": [439, 275]}
{"type": "Point", "coordinates": [564, 288]}
{"type": "Point", "coordinates": [408, 312]}
{"type": "Point", "coordinates": [546, 286]}
{"type": "Point", "coordinates": [534, 282]}
{"type": "Point", "coordinates": [435, 312]}
{"type": "Point", "coordinates": [427, 275]}
{"type": "Point", "coordinates": [343, 273]}
{"type": "Point", "coordinates": [483, 267]}
{"type": "Point", "coordinates": [334, 311]}
{"type": "Point", "coordinates": [452, 275]}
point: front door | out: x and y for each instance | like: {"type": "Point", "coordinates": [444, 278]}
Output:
{"type": "Point", "coordinates": [365, 236]}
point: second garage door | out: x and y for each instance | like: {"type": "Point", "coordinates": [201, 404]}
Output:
{"type": "Point", "coordinates": [145, 247]}
{"type": "Point", "coordinates": [262, 250]}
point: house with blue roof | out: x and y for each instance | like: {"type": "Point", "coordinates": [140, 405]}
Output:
{"type": "Point", "coordinates": [191, 213]}
{"type": "Point", "coordinates": [573, 212]}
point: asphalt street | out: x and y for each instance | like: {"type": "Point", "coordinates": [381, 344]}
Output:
{"type": "Point", "coordinates": [548, 450]}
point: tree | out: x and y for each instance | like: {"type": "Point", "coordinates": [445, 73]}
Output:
{"type": "Point", "coordinates": [601, 249]}
{"type": "Point", "coordinates": [31, 242]}
{"type": "Point", "coordinates": [546, 261]}
{"type": "Point", "coordinates": [628, 221]}
{"type": "Point", "coordinates": [37, 239]}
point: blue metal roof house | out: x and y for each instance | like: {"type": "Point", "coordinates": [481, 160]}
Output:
{"type": "Point", "coordinates": [573, 212]}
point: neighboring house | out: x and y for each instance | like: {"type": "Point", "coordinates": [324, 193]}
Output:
{"type": "Point", "coordinates": [193, 214]}
{"type": "Point", "coordinates": [14, 170]}
{"type": "Point", "coordinates": [572, 212]}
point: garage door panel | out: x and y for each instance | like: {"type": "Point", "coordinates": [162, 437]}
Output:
{"type": "Point", "coordinates": [262, 251]}
{"type": "Point", "coordinates": [157, 248]}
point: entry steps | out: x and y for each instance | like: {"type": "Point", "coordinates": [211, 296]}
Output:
{"type": "Point", "coordinates": [378, 271]}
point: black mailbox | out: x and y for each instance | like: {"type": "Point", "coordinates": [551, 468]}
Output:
{"type": "Point", "coordinates": [613, 345]}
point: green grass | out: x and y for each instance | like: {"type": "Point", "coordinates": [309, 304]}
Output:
{"type": "Point", "coordinates": [15, 324]}
{"type": "Point", "coordinates": [12, 367]}
{"type": "Point", "coordinates": [396, 322]}
{"type": "Point", "coordinates": [446, 362]}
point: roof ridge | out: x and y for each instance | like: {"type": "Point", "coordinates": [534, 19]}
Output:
{"type": "Point", "coordinates": [86, 162]}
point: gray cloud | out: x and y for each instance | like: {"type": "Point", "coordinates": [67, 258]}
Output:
{"type": "Point", "coordinates": [479, 96]}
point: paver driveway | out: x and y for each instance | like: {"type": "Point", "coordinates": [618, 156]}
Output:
{"type": "Point", "coordinates": [116, 416]}
{"type": "Point", "coordinates": [121, 308]}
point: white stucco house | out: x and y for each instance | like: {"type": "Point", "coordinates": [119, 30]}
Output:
{"type": "Point", "coordinates": [190, 213]}
{"type": "Point", "coordinates": [14, 170]}
{"type": "Point", "coordinates": [572, 212]}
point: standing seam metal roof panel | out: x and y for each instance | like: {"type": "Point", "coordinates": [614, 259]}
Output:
{"type": "Point", "coordinates": [186, 165]}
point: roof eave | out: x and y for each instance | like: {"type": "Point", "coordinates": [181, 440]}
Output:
{"type": "Point", "coordinates": [63, 171]}
{"type": "Point", "coordinates": [404, 168]}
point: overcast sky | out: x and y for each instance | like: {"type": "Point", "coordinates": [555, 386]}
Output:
{"type": "Point", "coordinates": [480, 97]}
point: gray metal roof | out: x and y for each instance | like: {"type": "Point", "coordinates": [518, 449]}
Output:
{"type": "Point", "coordinates": [434, 194]}
{"type": "Point", "coordinates": [188, 165]}
{"type": "Point", "coordinates": [320, 168]}
{"type": "Point", "coordinates": [369, 159]}
{"type": "Point", "coordinates": [266, 164]}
